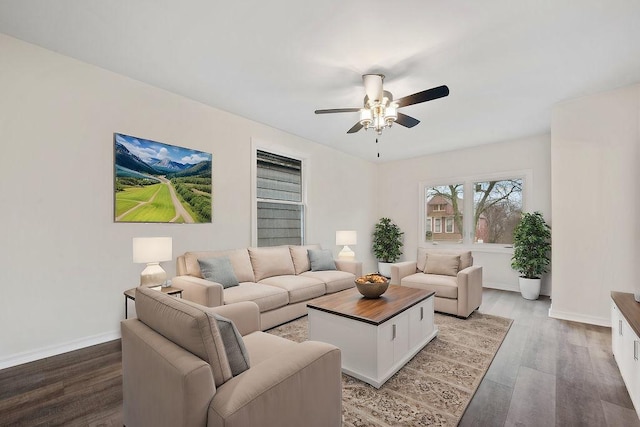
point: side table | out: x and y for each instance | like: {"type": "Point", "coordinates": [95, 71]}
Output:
{"type": "Point", "coordinates": [130, 294]}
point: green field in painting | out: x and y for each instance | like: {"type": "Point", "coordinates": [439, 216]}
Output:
{"type": "Point", "coordinates": [160, 210]}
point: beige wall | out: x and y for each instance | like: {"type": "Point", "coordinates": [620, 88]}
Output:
{"type": "Point", "coordinates": [595, 152]}
{"type": "Point", "coordinates": [399, 194]}
{"type": "Point", "coordinates": [65, 263]}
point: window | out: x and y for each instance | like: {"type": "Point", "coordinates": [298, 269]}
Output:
{"type": "Point", "coordinates": [448, 225]}
{"type": "Point", "coordinates": [497, 208]}
{"type": "Point", "coordinates": [495, 204]}
{"type": "Point", "coordinates": [280, 208]}
{"type": "Point", "coordinates": [443, 201]}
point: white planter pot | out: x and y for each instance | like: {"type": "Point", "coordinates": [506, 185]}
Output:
{"type": "Point", "coordinates": [384, 268]}
{"type": "Point", "coordinates": [529, 288]}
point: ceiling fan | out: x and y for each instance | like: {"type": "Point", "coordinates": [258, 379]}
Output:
{"type": "Point", "coordinates": [380, 110]}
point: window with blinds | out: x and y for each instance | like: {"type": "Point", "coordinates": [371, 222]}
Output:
{"type": "Point", "coordinates": [280, 219]}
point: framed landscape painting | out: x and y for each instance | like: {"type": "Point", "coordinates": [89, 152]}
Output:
{"type": "Point", "coordinates": [156, 182]}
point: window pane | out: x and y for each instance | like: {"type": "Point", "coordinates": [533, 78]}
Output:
{"type": "Point", "coordinates": [279, 177]}
{"type": "Point", "coordinates": [445, 204]}
{"type": "Point", "coordinates": [497, 210]}
{"type": "Point", "coordinates": [279, 224]}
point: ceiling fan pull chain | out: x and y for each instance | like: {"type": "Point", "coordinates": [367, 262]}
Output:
{"type": "Point", "coordinates": [378, 147]}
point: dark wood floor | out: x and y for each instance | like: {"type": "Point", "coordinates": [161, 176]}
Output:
{"type": "Point", "coordinates": [548, 372]}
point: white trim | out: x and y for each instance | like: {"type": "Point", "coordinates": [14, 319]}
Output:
{"type": "Point", "coordinates": [467, 210]}
{"type": "Point", "coordinates": [53, 350]}
{"type": "Point", "coordinates": [579, 317]}
{"type": "Point", "coordinates": [258, 144]}
{"type": "Point", "coordinates": [429, 220]}
{"type": "Point", "coordinates": [438, 221]}
{"type": "Point", "coordinates": [453, 225]}
{"type": "Point", "coordinates": [511, 287]}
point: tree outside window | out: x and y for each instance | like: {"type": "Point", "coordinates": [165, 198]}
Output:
{"type": "Point", "coordinates": [497, 210]}
{"type": "Point", "coordinates": [444, 204]}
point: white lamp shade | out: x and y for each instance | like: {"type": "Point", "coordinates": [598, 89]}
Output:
{"type": "Point", "coordinates": [349, 237]}
{"type": "Point", "coordinates": [152, 249]}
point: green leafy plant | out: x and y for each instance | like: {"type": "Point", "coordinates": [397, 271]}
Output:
{"type": "Point", "coordinates": [532, 245]}
{"type": "Point", "coordinates": [387, 241]}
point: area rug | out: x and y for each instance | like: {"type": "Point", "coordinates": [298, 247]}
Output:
{"type": "Point", "coordinates": [435, 387]}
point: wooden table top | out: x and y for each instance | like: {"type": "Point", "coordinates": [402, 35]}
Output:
{"type": "Point", "coordinates": [629, 308]}
{"type": "Point", "coordinates": [352, 304]}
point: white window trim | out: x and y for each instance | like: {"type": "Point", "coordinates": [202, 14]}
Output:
{"type": "Point", "coordinates": [453, 225]}
{"type": "Point", "coordinates": [437, 222]}
{"type": "Point", "coordinates": [257, 144]}
{"type": "Point", "coordinates": [467, 239]}
{"type": "Point", "coordinates": [430, 226]}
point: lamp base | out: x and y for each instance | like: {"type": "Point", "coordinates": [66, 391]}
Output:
{"type": "Point", "coordinates": [347, 254]}
{"type": "Point", "coordinates": [153, 275]}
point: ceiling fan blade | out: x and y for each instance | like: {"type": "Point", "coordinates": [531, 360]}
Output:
{"type": "Point", "coordinates": [338, 110]}
{"type": "Point", "coordinates": [355, 128]}
{"type": "Point", "coordinates": [425, 95]}
{"type": "Point", "coordinates": [406, 121]}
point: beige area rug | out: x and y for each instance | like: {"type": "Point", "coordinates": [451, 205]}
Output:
{"type": "Point", "coordinates": [435, 387]}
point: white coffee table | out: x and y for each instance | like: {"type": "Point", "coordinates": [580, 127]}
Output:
{"type": "Point", "coordinates": [377, 337]}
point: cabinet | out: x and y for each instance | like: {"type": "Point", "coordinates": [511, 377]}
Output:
{"type": "Point", "coordinates": [625, 343]}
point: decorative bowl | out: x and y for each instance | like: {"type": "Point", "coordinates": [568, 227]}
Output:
{"type": "Point", "coordinates": [372, 285]}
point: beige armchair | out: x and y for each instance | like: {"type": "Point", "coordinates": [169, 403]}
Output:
{"type": "Point", "coordinates": [449, 273]}
{"type": "Point", "coordinates": [177, 371]}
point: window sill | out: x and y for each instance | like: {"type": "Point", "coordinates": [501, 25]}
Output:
{"type": "Point", "coordinates": [474, 247]}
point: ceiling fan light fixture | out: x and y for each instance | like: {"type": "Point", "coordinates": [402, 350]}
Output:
{"type": "Point", "coordinates": [366, 118]}
{"type": "Point", "coordinates": [390, 114]}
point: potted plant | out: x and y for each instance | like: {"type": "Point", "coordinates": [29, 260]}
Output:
{"type": "Point", "coordinates": [532, 245]}
{"type": "Point", "coordinates": [387, 241]}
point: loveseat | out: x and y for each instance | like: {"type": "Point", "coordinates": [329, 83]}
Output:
{"type": "Point", "coordinates": [279, 279]}
{"type": "Point", "coordinates": [184, 365]}
{"type": "Point", "coordinates": [449, 273]}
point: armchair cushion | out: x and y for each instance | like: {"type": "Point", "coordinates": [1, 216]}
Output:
{"type": "Point", "coordinates": [235, 350]}
{"type": "Point", "coordinates": [321, 260]}
{"type": "Point", "coordinates": [190, 327]}
{"type": "Point", "coordinates": [443, 286]}
{"type": "Point", "coordinates": [218, 270]}
{"type": "Point", "coordinates": [466, 258]}
{"type": "Point", "coordinates": [443, 264]}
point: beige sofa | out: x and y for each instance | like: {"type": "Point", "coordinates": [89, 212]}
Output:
{"type": "Point", "coordinates": [178, 371]}
{"type": "Point", "coordinates": [449, 273]}
{"type": "Point", "coordinates": [278, 279]}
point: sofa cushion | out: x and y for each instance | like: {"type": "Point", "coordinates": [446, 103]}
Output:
{"type": "Point", "coordinates": [443, 286]}
{"type": "Point", "coordinates": [239, 260]}
{"type": "Point", "coordinates": [334, 280]}
{"type": "Point", "coordinates": [192, 328]}
{"type": "Point", "coordinates": [466, 258]}
{"type": "Point", "coordinates": [445, 264]}
{"type": "Point", "coordinates": [300, 257]}
{"type": "Point", "coordinates": [271, 261]}
{"type": "Point", "coordinates": [300, 288]}
{"type": "Point", "coordinates": [321, 260]}
{"type": "Point", "coordinates": [218, 270]}
{"type": "Point", "coordinates": [234, 347]}
{"type": "Point", "coordinates": [267, 297]}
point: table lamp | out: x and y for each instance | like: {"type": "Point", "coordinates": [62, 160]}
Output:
{"type": "Point", "coordinates": [346, 238]}
{"type": "Point", "coordinates": [152, 251]}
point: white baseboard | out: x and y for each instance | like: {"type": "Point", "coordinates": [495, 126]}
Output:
{"type": "Point", "coordinates": [53, 350]}
{"type": "Point", "coordinates": [578, 317]}
{"type": "Point", "coordinates": [511, 288]}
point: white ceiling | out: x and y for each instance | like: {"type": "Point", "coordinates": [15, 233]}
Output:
{"type": "Point", "coordinates": [506, 62]}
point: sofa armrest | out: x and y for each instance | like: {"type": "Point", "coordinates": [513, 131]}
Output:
{"type": "Point", "coordinates": [402, 269]}
{"type": "Point", "coordinates": [354, 267]}
{"type": "Point", "coordinates": [201, 291]}
{"type": "Point", "coordinates": [162, 383]}
{"type": "Point", "coordinates": [245, 315]}
{"type": "Point", "coordinates": [469, 290]}
{"type": "Point", "coordinates": [299, 386]}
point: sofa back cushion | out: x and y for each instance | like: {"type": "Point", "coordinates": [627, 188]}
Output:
{"type": "Point", "coordinates": [239, 259]}
{"type": "Point", "coordinates": [271, 261]}
{"type": "Point", "coordinates": [192, 328]}
{"type": "Point", "coordinates": [300, 257]}
{"type": "Point", "coordinates": [466, 260]}
{"type": "Point", "coordinates": [443, 264]}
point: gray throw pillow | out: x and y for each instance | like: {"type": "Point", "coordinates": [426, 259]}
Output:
{"type": "Point", "coordinates": [321, 259]}
{"type": "Point", "coordinates": [233, 345]}
{"type": "Point", "coordinates": [218, 270]}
